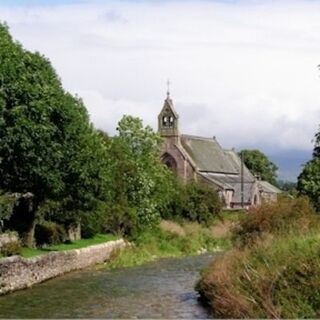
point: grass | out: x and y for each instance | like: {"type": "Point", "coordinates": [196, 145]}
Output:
{"type": "Point", "coordinates": [274, 272]}
{"type": "Point", "coordinates": [279, 279]}
{"type": "Point", "coordinates": [98, 239]}
{"type": "Point", "coordinates": [170, 239]}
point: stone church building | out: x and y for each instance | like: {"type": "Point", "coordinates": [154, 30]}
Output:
{"type": "Point", "coordinates": [203, 159]}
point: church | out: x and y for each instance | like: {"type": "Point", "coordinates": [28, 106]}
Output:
{"type": "Point", "coordinates": [203, 159]}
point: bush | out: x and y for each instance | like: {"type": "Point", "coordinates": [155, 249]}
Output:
{"type": "Point", "coordinates": [48, 233]}
{"type": "Point", "coordinates": [279, 279]}
{"type": "Point", "coordinates": [194, 202]}
{"type": "Point", "coordinates": [121, 220]}
{"type": "Point", "coordinates": [92, 223]}
{"type": "Point", "coordinates": [282, 217]}
{"type": "Point", "coordinates": [10, 249]}
{"type": "Point", "coordinates": [275, 271]}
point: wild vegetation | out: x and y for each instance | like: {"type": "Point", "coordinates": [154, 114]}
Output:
{"type": "Point", "coordinates": [309, 179]}
{"type": "Point", "coordinates": [273, 269]}
{"type": "Point", "coordinates": [173, 239]}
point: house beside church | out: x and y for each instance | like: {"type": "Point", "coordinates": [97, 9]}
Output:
{"type": "Point", "coordinates": [203, 159]}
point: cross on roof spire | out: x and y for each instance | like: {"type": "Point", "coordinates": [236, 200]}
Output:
{"type": "Point", "coordinates": [168, 88]}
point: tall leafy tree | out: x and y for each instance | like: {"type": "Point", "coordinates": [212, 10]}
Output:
{"type": "Point", "coordinates": [309, 179]}
{"type": "Point", "coordinates": [316, 149]}
{"type": "Point", "coordinates": [48, 148]}
{"type": "Point", "coordinates": [260, 165]}
{"type": "Point", "coordinates": [140, 185]}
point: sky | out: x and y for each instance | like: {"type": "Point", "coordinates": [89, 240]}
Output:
{"type": "Point", "coordinates": [243, 71]}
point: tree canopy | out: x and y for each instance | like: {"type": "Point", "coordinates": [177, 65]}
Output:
{"type": "Point", "coordinates": [309, 179]}
{"type": "Point", "coordinates": [139, 183]}
{"type": "Point", "coordinates": [48, 146]}
{"type": "Point", "coordinates": [259, 164]}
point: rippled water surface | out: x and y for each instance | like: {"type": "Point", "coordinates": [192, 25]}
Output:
{"type": "Point", "coordinates": [162, 289]}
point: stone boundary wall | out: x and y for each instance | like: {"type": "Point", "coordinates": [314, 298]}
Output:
{"type": "Point", "coordinates": [18, 273]}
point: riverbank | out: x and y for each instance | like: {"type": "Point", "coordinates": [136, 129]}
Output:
{"type": "Point", "coordinates": [173, 239]}
{"type": "Point", "coordinates": [273, 270]}
{"type": "Point", "coordinates": [17, 272]}
{"type": "Point", "coordinates": [169, 239]}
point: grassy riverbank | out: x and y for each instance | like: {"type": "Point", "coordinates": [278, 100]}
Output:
{"type": "Point", "coordinates": [273, 270]}
{"type": "Point", "coordinates": [172, 239]}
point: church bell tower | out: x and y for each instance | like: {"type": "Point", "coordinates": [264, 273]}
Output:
{"type": "Point", "coordinates": [168, 119]}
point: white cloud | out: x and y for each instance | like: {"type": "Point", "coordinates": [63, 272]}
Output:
{"type": "Point", "coordinates": [244, 71]}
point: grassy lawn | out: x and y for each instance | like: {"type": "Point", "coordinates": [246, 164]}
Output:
{"type": "Point", "coordinates": [98, 239]}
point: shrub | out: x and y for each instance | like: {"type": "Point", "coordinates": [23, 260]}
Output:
{"type": "Point", "coordinates": [194, 202]}
{"type": "Point", "coordinates": [282, 217]}
{"type": "Point", "coordinates": [47, 233]}
{"type": "Point", "coordinates": [279, 279]}
{"type": "Point", "coordinates": [10, 249]}
{"type": "Point", "coordinates": [92, 223]}
{"type": "Point", "coordinates": [122, 220]}
{"type": "Point", "coordinates": [275, 272]}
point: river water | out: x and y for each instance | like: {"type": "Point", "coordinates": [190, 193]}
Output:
{"type": "Point", "coordinates": [161, 289]}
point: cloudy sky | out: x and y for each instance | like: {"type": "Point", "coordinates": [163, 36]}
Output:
{"type": "Point", "coordinates": [243, 71]}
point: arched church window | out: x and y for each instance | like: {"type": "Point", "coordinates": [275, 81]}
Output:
{"type": "Point", "coordinates": [169, 161]}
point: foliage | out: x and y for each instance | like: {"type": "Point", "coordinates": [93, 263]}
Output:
{"type": "Point", "coordinates": [121, 219]}
{"type": "Point", "coordinates": [10, 249]}
{"type": "Point", "coordinates": [48, 233]}
{"type": "Point", "coordinates": [259, 164]}
{"type": "Point", "coordinates": [48, 147]}
{"type": "Point", "coordinates": [138, 183]}
{"type": "Point", "coordinates": [316, 149]}
{"type": "Point", "coordinates": [274, 273]}
{"type": "Point", "coordinates": [278, 280]}
{"type": "Point", "coordinates": [309, 179]}
{"type": "Point", "coordinates": [286, 215]}
{"type": "Point", "coordinates": [7, 202]}
{"type": "Point", "coordinates": [12, 246]}
{"type": "Point", "coordinates": [162, 242]}
{"type": "Point", "coordinates": [194, 202]}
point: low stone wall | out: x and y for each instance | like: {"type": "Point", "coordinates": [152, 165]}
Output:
{"type": "Point", "coordinates": [18, 273]}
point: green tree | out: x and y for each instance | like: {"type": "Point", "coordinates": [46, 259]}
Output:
{"type": "Point", "coordinates": [140, 185]}
{"type": "Point", "coordinates": [316, 149]}
{"type": "Point", "coordinates": [309, 179]}
{"type": "Point", "coordinates": [48, 147]}
{"type": "Point", "coordinates": [259, 164]}
{"type": "Point", "coordinates": [193, 201]}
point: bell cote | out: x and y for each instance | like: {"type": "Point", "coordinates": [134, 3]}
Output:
{"type": "Point", "coordinates": [168, 119]}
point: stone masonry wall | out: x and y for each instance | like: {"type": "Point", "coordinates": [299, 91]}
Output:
{"type": "Point", "coordinates": [18, 273]}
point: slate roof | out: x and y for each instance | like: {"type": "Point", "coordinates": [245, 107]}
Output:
{"type": "Point", "coordinates": [207, 154]}
{"type": "Point", "coordinates": [267, 187]}
{"type": "Point", "coordinates": [236, 161]}
{"type": "Point", "coordinates": [232, 182]}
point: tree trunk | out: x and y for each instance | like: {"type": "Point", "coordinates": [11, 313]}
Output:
{"type": "Point", "coordinates": [23, 220]}
{"type": "Point", "coordinates": [27, 236]}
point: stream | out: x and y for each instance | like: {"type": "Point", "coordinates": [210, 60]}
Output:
{"type": "Point", "coordinates": [160, 289]}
